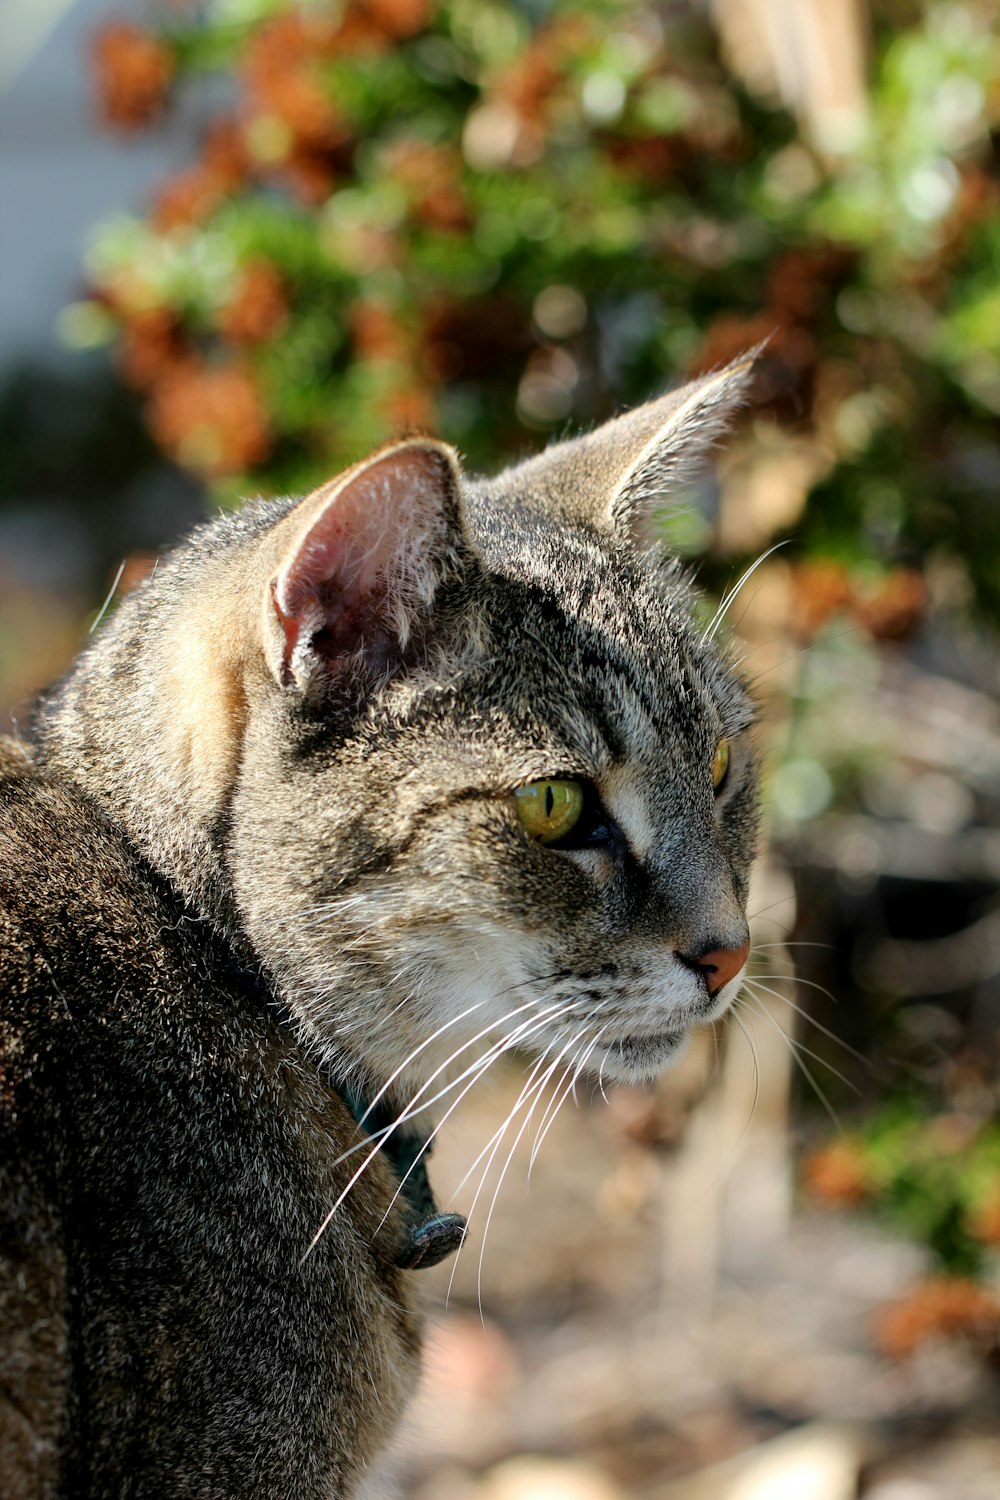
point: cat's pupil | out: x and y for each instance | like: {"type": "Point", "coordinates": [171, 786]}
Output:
{"type": "Point", "coordinates": [549, 801]}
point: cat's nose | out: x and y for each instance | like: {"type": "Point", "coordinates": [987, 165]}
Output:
{"type": "Point", "coordinates": [717, 966]}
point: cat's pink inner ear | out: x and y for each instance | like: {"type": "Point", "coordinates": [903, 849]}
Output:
{"type": "Point", "coordinates": [370, 557]}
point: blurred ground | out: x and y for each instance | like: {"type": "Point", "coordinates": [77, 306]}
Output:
{"type": "Point", "coordinates": [605, 1376]}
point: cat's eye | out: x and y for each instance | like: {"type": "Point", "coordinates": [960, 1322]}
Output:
{"type": "Point", "coordinates": [720, 764]}
{"type": "Point", "coordinates": [548, 810]}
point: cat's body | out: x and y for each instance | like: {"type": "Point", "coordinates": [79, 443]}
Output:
{"type": "Point", "coordinates": [273, 853]}
{"type": "Point", "coordinates": [155, 1341]}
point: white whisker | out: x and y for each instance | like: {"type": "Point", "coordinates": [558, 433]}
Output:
{"type": "Point", "coordinates": [497, 1140]}
{"type": "Point", "coordinates": [488, 1059]}
{"type": "Point", "coordinates": [755, 980]}
{"type": "Point", "coordinates": [496, 1191]}
{"type": "Point", "coordinates": [807, 1072]}
{"type": "Point", "coordinates": [525, 1091]}
{"type": "Point", "coordinates": [729, 598]}
{"type": "Point", "coordinates": [544, 1128]}
{"type": "Point", "coordinates": [800, 1047]}
{"type": "Point", "coordinates": [408, 1113]}
{"type": "Point", "coordinates": [111, 594]}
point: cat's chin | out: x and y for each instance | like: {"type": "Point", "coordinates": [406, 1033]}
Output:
{"type": "Point", "coordinates": [640, 1059]}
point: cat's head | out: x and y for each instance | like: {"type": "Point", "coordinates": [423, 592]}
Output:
{"type": "Point", "coordinates": [495, 786]}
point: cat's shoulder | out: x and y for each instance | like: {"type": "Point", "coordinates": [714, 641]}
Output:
{"type": "Point", "coordinates": [60, 855]}
{"type": "Point", "coordinates": [81, 912]}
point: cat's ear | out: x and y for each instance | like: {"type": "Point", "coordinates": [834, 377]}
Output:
{"type": "Point", "coordinates": [615, 475]}
{"type": "Point", "coordinates": [364, 558]}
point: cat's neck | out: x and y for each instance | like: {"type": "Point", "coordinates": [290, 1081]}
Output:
{"type": "Point", "coordinates": [150, 722]}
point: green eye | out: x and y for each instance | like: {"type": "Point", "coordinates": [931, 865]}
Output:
{"type": "Point", "coordinates": [549, 809]}
{"type": "Point", "coordinates": [720, 765]}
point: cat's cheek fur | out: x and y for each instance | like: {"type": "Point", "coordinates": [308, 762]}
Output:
{"type": "Point", "coordinates": [472, 938]}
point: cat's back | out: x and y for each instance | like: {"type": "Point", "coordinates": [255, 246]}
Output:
{"type": "Point", "coordinates": [77, 926]}
{"type": "Point", "coordinates": [36, 839]}
{"type": "Point", "coordinates": [78, 915]}
{"type": "Point", "coordinates": [165, 1156]}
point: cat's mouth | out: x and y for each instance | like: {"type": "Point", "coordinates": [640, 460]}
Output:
{"type": "Point", "coordinates": [639, 1059]}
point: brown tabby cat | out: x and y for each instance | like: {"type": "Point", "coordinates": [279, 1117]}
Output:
{"type": "Point", "coordinates": [354, 794]}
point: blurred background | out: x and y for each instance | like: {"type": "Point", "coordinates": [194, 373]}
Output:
{"type": "Point", "coordinates": [245, 241]}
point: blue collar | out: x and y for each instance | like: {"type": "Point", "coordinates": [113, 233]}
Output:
{"type": "Point", "coordinates": [432, 1236]}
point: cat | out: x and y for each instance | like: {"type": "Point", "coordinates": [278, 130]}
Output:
{"type": "Point", "coordinates": [352, 795]}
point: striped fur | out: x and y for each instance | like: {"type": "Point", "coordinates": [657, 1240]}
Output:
{"type": "Point", "coordinates": [287, 767]}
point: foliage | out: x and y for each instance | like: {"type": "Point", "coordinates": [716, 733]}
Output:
{"type": "Point", "coordinates": [935, 1175]}
{"type": "Point", "coordinates": [496, 217]}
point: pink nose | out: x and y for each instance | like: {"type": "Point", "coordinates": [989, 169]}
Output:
{"type": "Point", "coordinates": [718, 966]}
